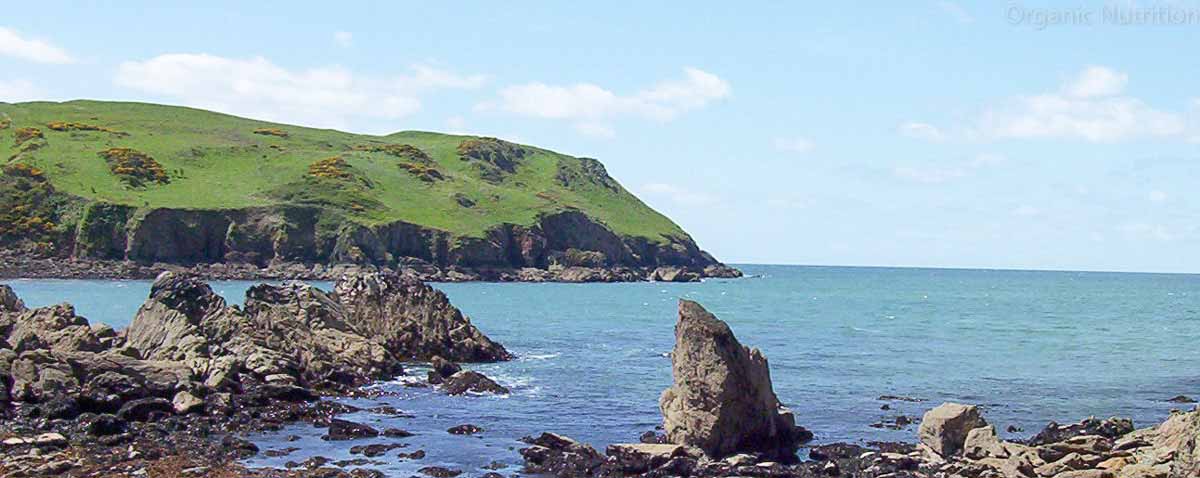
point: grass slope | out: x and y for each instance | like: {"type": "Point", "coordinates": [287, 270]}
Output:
{"type": "Point", "coordinates": [217, 161]}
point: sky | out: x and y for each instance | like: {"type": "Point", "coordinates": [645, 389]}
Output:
{"type": "Point", "coordinates": [927, 133]}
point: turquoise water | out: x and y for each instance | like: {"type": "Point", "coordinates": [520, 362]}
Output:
{"type": "Point", "coordinates": [1028, 346]}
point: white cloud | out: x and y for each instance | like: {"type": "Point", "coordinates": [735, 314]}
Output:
{"type": "Point", "coordinates": [1096, 81]}
{"type": "Point", "coordinates": [593, 106]}
{"type": "Point", "coordinates": [928, 175]}
{"type": "Point", "coordinates": [678, 194]}
{"type": "Point", "coordinates": [343, 39]}
{"type": "Point", "coordinates": [1089, 108]}
{"type": "Point", "coordinates": [794, 145]}
{"type": "Point", "coordinates": [14, 45]}
{"type": "Point", "coordinates": [13, 91]}
{"type": "Point", "coordinates": [1156, 196]}
{"type": "Point", "coordinates": [957, 11]}
{"type": "Point", "coordinates": [923, 131]}
{"type": "Point", "coordinates": [255, 87]}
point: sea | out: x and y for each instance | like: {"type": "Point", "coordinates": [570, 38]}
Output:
{"type": "Point", "coordinates": [1028, 347]}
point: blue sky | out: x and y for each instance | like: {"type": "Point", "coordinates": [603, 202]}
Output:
{"type": "Point", "coordinates": [1000, 135]}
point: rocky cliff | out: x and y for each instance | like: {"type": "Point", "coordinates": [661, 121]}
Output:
{"type": "Point", "coordinates": [190, 187]}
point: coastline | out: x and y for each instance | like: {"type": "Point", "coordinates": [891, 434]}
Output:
{"type": "Point", "coordinates": [16, 265]}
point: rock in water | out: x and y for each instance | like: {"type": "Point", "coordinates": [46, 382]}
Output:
{"type": "Point", "coordinates": [722, 401]}
{"type": "Point", "coordinates": [412, 319]}
{"type": "Point", "coordinates": [945, 428]}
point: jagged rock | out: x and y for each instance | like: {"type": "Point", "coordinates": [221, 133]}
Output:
{"type": "Point", "coordinates": [1111, 428]}
{"type": "Point", "coordinates": [442, 369]}
{"type": "Point", "coordinates": [674, 274]}
{"type": "Point", "coordinates": [944, 429]}
{"type": "Point", "coordinates": [413, 320]}
{"type": "Point", "coordinates": [1175, 399]}
{"type": "Point", "coordinates": [472, 381]}
{"type": "Point", "coordinates": [1179, 439]}
{"type": "Point", "coordinates": [55, 327]}
{"type": "Point", "coordinates": [9, 302]}
{"type": "Point", "coordinates": [294, 330]}
{"type": "Point", "coordinates": [560, 456]}
{"type": "Point", "coordinates": [983, 442]}
{"type": "Point", "coordinates": [440, 472]}
{"type": "Point", "coordinates": [722, 400]}
{"type": "Point", "coordinates": [642, 457]}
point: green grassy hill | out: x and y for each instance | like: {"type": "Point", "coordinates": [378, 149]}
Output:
{"type": "Point", "coordinates": [61, 160]}
{"type": "Point", "coordinates": [216, 161]}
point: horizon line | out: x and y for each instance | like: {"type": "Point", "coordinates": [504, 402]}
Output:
{"type": "Point", "coordinates": [959, 268]}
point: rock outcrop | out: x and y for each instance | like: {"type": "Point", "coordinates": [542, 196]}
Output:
{"type": "Point", "coordinates": [944, 429]}
{"type": "Point", "coordinates": [722, 400]}
{"type": "Point", "coordinates": [413, 319]}
{"type": "Point", "coordinates": [958, 443]}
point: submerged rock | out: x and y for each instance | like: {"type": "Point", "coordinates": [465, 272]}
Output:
{"type": "Point", "coordinates": [722, 400]}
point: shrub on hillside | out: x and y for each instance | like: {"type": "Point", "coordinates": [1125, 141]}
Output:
{"type": "Point", "coordinates": [402, 151]}
{"type": "Point", "coordinates": [271, 132]}
{"type": "Point", "coordinates": [134, 167]}
{"type": "Point", "coordinates": [330, 168]}
{"type": "Point", "coordinates": [21, 135]}
{"type": "Point", "coordinates": [71, 126]}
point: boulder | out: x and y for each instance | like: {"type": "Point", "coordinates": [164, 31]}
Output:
{"type": "Point", "coordinates": [145, 409]}
{"type": "Point", "coordinates": [944, 429]}
{"type": "Point", "coordinates": [184, 403]}
{"type": "Point", "coordinates": [722, 401]}
{"type": "Point", "coordinates": [472, 381]}
{"type": "Point", "coordinates": [982, 443]}
{"type": "Point", "coordinates": [413, 320]}
{"type": "Point", "coordinates": [1178, 438]}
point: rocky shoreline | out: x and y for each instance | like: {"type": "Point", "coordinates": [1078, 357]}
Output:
{"type": "Point", "coordinates": [176, 393]}
{"type": "Point", "coordinates": [16, 264]}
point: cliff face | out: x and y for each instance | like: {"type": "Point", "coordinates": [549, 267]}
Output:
{"type": "Point", "coordinates": [153, 184]}
{"type": "Point", "coordinates": [261, 236]}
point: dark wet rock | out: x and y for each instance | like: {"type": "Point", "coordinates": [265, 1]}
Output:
{"type": "Point", "coordinates": [145, 409]}
{"type": "Point", "coordinates": [396, 433]}
{"type": "Point", "coordinates": [652, 437]}
{"type": "Point", "coordinates": [898, 398]}
{"type": "Point", "coordinates": [491, 474]}
{"type": "Point", "coordinates": [340, 430]}
{"type": "Point", "coordinates": [442, 369]}
{"type": "Point", "coordinates": [103, 425]}
{"type": "Point", "coordinates": [389, 411]}
{"type": "Point", "coordinates": [898, 422]}
{"type": "Point", "coordinates": [416, 455]}
{"type": "Point", "coordinates": [472, 381]}
{"type": "Point", "coordinates": [440, 472]}
{"type": "Point", "coordinates": [722, 400]}
{"type": "Point", "coordinates": [465, 429]}
{"type": "Point", "coordinates": [1014, 429]}
{"type": "Point", "coordinates": [240, 447]}
{"type": "Point", "coordinates": [1111, 428]}
{"type": "Point", "coordinates": [1181, 399]}
{"type": "Point", "coordinates": [281, 452]}
{"type": "Point", "coordinates": [374, 450]}
{"type": "Point", "coordinates": [413, 320]}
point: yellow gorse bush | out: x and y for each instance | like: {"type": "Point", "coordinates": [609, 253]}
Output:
{"type": "Point", "coordinates": [134, 167]}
